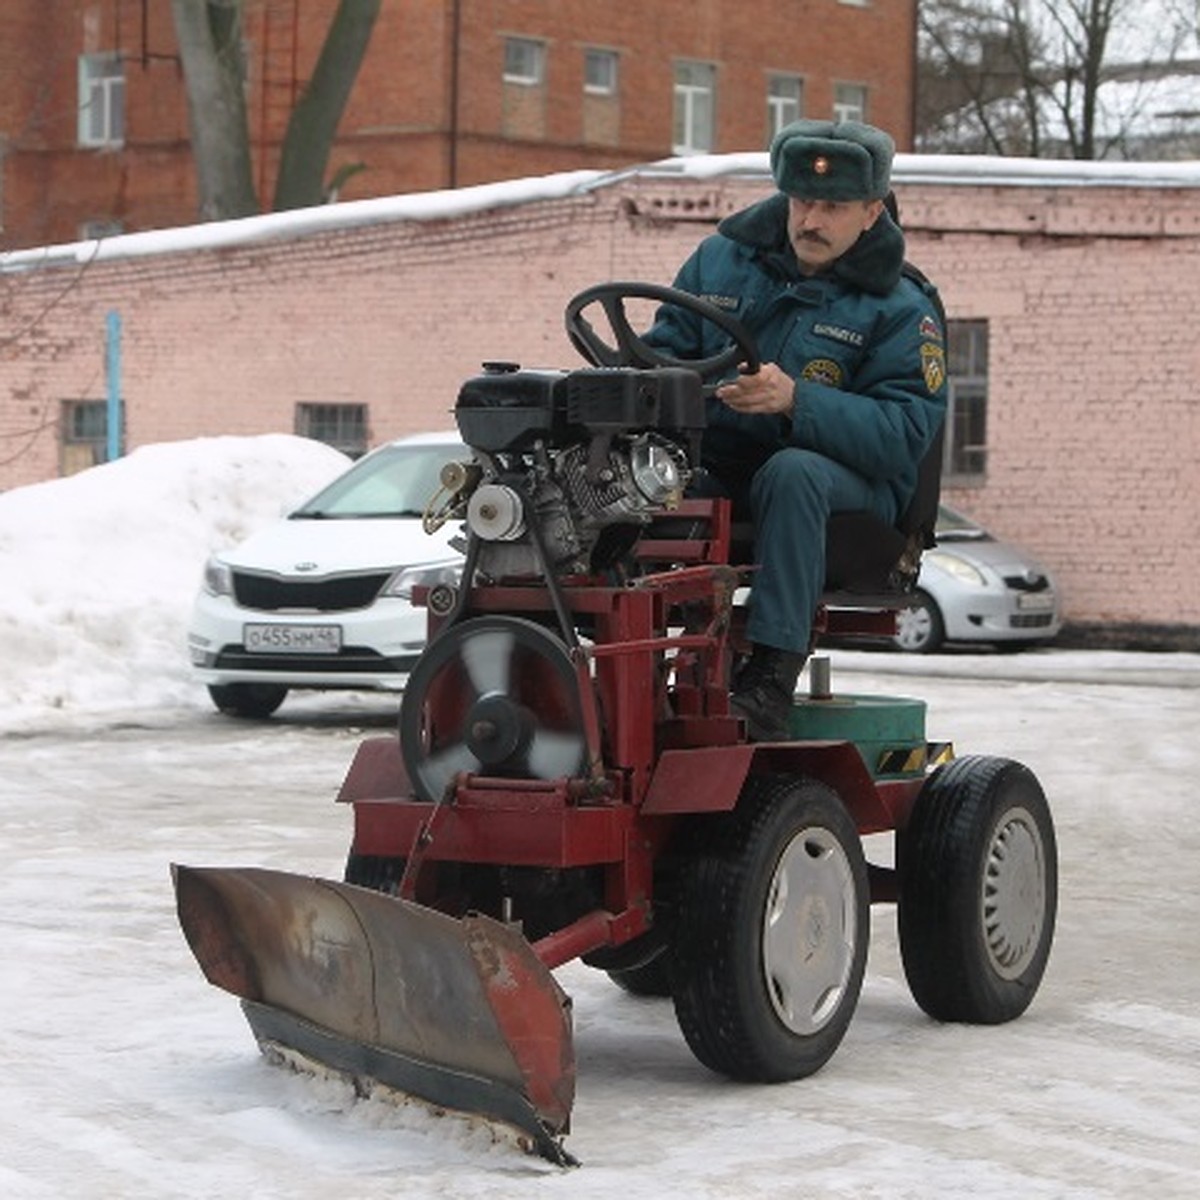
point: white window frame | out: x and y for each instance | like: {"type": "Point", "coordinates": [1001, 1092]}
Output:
{"type": "Point", "coordinates": [699, 128]}
{"type": "Point", "coordinates": [524, 61]}
{"type": "Point", "coordinates": [607, 61]}
{"type": "Point", "coordinates": [101, 100]}
{"type": "Point", "coordinates": [964, 460]}
{"type": "Point", "coordinates": [846, 108]}
{"type": "Point", "coordinates": [782, 109]}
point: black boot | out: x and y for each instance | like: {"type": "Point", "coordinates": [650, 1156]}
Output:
{"type": "Point", "coordinates": [763, 691]}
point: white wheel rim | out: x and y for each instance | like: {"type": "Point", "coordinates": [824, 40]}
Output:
{"type": "Point", "coordinates": [914, 627]}
{"type": "Point", "coordinates": [1013, 906]}
{"type": "Point", "coordinates": [810, 928]}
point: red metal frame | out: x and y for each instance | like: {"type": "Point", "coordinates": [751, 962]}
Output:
{"type": "Point", "coordinates": [654, 683]}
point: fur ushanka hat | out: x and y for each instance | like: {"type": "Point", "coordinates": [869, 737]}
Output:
{"type": "Point", "coordinates": [828, 160]}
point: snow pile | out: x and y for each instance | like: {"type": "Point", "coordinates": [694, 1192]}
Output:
{"type": "Point", "coordinates": [100, 569]}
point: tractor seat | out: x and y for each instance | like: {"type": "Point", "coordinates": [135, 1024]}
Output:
{"type": "Point", "coordinates": [869, 563]}
{"type": "Point", "coordinates": [864, 555]}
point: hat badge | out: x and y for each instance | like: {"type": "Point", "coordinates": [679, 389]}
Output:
{"type": "Point", "coordinates": [821, 165]}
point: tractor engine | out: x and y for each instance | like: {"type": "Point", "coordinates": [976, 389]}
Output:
{"type": "Point", "coordinates": [570, 465]}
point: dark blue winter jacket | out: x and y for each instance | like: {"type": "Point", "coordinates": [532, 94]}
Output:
{"type": "Point", "coordinates": [862, 340]}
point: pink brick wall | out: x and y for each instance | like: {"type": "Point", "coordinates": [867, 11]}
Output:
{"type": "Point", "coordinates": [1094, 420]}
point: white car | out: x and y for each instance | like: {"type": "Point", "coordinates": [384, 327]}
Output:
{"type": "Point", "coordinates": [975, 588]}
{"type": "Point", "coordinates": [322, 599]}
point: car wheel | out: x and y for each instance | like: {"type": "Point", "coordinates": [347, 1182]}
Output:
{"type": "Point", "coordinates": [919, 627]}
{"type": "Point", "coordinates": [247, 699]}
{"type": "Point", "coordinates": [771, 944]}
{"type": "Point", "coordinates": [978, 891]}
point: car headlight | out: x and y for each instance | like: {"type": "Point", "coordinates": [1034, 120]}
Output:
{"type": "Point", "coordinates": [957, 567]}
{"type": "Point", "coordinates": [426, 575]}
{"type": "Point", "coordinates": [218, 578]}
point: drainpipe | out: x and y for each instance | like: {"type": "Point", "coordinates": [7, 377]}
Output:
{"type": "Point", "coordinates": [112, 363]}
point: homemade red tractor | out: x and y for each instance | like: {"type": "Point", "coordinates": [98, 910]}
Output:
{"type": "Point", "coordinates": [568, 782]}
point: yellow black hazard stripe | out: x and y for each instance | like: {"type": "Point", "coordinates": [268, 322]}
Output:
{"type": "Point", "coordinates": [910, 760]}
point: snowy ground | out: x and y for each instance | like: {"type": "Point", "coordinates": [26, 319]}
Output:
{"type": "Point", "coordinates": [125, 1075]}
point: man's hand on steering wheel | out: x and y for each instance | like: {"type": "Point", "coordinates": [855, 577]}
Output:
{"type": "Point", "coordinates": [767, 390]}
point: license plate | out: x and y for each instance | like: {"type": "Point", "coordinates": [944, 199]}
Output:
{"type": "Point", "coordinates": [1035, 601]}
{"type": "Point", "coordinates": [292, 639]}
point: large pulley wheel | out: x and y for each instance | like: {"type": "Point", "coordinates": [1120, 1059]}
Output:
{"type": "Point", "coordinates": [495, 696]}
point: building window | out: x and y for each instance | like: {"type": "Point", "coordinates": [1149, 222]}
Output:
{"type": "Point", "coordinates": [84, 435]}
{"type": "Point", "coordinates": [600, 72]}
{"type": "Point", "coordinates": [849, 102]}
{"type": "Point", "coordinates": [524, 61]}
{"type": "Point", "coordinates": [785, 102]}
{"type": "Point", "coordinates": [101, 100]}
{"type": "Point", "coordinates": [966, 412]}
{"type": "Point", "coordinates": [342, 426]}
{"type": "Point", "coordinates": [695, 108]}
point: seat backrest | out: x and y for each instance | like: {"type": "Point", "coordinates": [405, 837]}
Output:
{"type": "Point", "coordinates": [865, 554]}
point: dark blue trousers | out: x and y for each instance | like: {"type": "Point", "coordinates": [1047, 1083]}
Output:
{"type": "Point", "coordinates": [790, 495]}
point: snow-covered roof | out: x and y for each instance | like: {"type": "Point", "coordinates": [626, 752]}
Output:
{"type": "Point", "coordinates": [936, 169]}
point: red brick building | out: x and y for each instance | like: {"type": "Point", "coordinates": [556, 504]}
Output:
{"type": "Point", "coordinates": [93, 114]}
{"type": "Point", "coordinates": [1074, 417]}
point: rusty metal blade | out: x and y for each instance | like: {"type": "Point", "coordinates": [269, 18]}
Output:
{"type": "Point", "coordinates": [460, 1013]}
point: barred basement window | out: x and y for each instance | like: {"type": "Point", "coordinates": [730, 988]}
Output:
{"type": "Point", "coordinates": [966, 412]}
{"type": "Point", "coordinates": [84, 440]}
{"type": "Point", "coordinates": [342, 426]}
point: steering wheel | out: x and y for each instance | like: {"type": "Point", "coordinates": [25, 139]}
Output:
{"type": "Point", "coordinates": [631, 351]}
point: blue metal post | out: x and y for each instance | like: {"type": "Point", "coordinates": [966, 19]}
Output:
{"type": "Point", "coordinates": [112, 360]}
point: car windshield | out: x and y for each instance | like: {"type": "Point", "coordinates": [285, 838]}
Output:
{"type": "Point", "coordinates": [954, 527]}
{"type": "Point", "coordinates": [393, 481]}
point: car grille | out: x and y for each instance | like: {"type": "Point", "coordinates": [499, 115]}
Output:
{"type": "Point", "coordinates": [269, 593]}
{"type": "Point", "coordinates": [349, 660]}
{"type": "Point", "coordinates": [1019, 583]}
{"type": "Point", "coordinates": [1031, 620]}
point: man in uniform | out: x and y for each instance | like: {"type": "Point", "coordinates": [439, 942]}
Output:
{"type": "Point", "coordinates": [851, 391]}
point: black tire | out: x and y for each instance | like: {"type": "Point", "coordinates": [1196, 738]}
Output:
{"type": "Point", "coordinates": [254, 700]}
{"type": "Point", "coordinates": [919, 626]}
{"type": "Point", "coordinates": [783, 873]}
{"type": "Point", "coordinates": [978, 867]}
{"type": "Point", "coordinates": [374, 871]}
{"type": "Point", "coordinates": [651, 978]}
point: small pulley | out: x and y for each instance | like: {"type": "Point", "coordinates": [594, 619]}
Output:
{"type": "Point", "coordinates": [493, 695]}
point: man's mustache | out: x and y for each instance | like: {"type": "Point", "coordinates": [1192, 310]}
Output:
{"type": "Point", "coordinates": [811, 235]}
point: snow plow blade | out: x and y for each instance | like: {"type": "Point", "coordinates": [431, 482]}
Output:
{"type": "Point", "coordinates": [459, 1013]}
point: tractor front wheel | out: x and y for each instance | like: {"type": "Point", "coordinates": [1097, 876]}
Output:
{"type": "Point", "coordinates": [769, 955]}
{"type": "Point", "coordinates": [978, 891]}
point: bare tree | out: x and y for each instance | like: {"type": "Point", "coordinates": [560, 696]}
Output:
{"type": "Point", "coordinates": [1030, 76]}
{"type": "Point", "coordinates": [211, 47]}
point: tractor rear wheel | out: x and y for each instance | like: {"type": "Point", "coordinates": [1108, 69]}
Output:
{"type": "Point", "coordinates": [769, 955]}
{"type": "Point", "coordinates": [379, 873]}
{"type": "Point", "coordinates": [978, 891]}
{"type": "Point", "coordinates": [652, 978]}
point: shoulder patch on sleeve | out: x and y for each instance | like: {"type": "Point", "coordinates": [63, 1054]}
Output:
{"type": "Point", "coordinates": [933, 366]}
{"type": "Point", "coordinates": [929, 329]}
